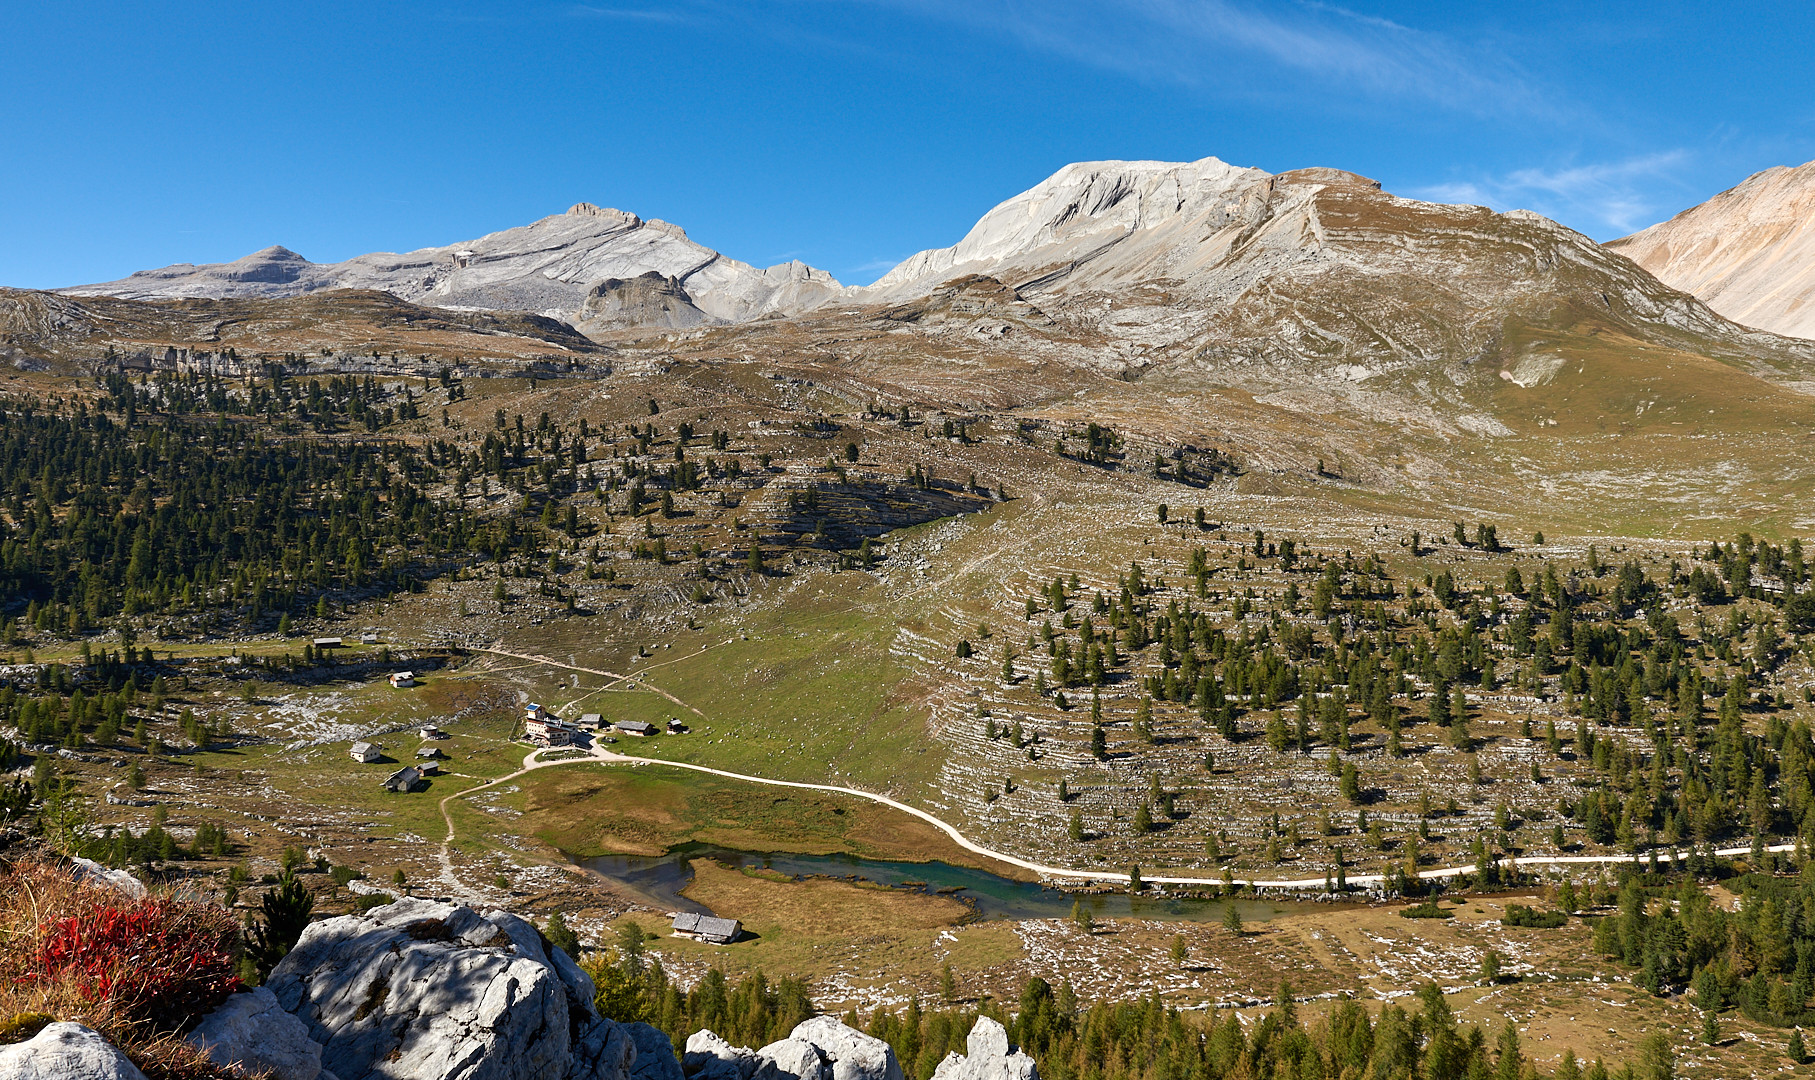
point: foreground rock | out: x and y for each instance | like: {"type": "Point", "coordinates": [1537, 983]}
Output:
{"type": "Point", "coordinates": [988, 1057]}
{"type": "Point", "coordinates": [66, 1051]}
{"type": "Point", "coordinates": [710, 1057]}
{"type": "Point", "coordinates": [252, 1033]}
{"type": "Point", "coordinates": [817, 1049]}
{"type": "Point", "coordinates": [654, 1058]}
{"type": "Point", "coordinates": [418, 990]}
{"type": "Point", "coordinates": [88, 870]}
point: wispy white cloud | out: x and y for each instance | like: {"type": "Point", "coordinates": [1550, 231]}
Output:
{"type": "Point", "coordinates": [1275, 50]}
{"type": "Point", "coordinates": [1609, 198]}
{"type": "Point", "coordinates": [593, 11]}
{"type": "Point", "coordinates": [875, 266]}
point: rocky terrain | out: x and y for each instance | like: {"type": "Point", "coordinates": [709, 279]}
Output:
{"type": "Point", "coordinates": [1749, 252]}
{"type": "Point", "coordinates": [548, 267]}
{"type": "Point", "coordinates": [1310, 275]}
{"type": "Point", "coordinates": [1310, 291]}
{"type": "Point", "coordinates": [1093, 536]}
{"type": "Point", "coordinates": [422, 990]}
{"type": "Point", "coordinates": [349, 327]}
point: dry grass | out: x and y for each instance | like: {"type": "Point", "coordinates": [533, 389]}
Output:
{"type": "Point", "coordinates": [39, 900]}
{"type": "Point", "coordinates": [592, 810]}
{"type": "Point", "coordinates": [831, 908]}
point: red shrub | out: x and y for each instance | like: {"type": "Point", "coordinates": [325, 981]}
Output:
{"type": "Point", "coordinates": [158, 960]}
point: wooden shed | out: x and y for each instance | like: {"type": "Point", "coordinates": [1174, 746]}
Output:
{"type": "Point", "coordinates": [707, 928]}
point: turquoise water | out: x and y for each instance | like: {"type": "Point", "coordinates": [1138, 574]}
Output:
{"type": "Point", "coordinates": [658, 880]}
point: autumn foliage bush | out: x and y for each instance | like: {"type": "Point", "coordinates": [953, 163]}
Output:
{"type": "Point", "coordinates": [157, 960]}
{"type": "Point", "coordinates": [139, 970]}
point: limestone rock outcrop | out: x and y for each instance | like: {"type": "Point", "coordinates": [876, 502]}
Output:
{"type": "Point", "coordinates": [852, 1054]}
{"type": "Point", "coordinates": [66, 1051]}
{"type": "Point", "coordinates": [419, 990]}
{"type": "Point", "coordinates": [817, 1049]}
{"type": "Point", "coordinates": [709, 1057]}
{"type": "Point", "coordinates": [88, 870]}
{"type": "Point", "coordinates": [654, 1059]}
{"type": "Point", "coordinates": [650, 299]}
{"type": "Point", "coordinates": [988, 1057]}
{"type": "Point", "coordinates": [252, 1033]}
{"type": "Point", "coordinates": [791, 1059]}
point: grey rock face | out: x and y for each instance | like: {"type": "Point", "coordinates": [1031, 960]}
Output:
{"type": "Point", "coordinates": [709, 1057]}
{"type": "Point", "coordinates": [88, 870]}
{"type": "Point", "coordinates": [655, 1058]}
{"type": "Point", "coordinates": [253, 1032]}
{"type": "Point", "coordinates": [988, 1057]}
{"type": "Point", "coordinates": [548, 266]}
{"type": "Point", "coordinates": [852, 1054]}
{"type": "Point", "coordinates": [66, 1052]}
{"type": "Point", "coordinates": [791, 1059]}
{"type": "Point", "coordinates": [646, 300]}
{"type": "Point", "coordinates": [418, 990]}
{"type": "Point", "coordinates": [817, 1049]}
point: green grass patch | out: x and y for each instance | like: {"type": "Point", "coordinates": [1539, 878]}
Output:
{"type": "Point", "coordinates": [589, 810]}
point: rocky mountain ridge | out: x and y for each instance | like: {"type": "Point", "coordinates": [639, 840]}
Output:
{"type": "Point", "coordinates": [548, 267]}
{"type": "Point", "coordinates": [41, 326]}
{"type": "Point", "coordinates": [1748, 252]}
{"type": "Point", "coordinates": [1311, 282]}
{"type": "Point", "coordinates": [1321, 264]}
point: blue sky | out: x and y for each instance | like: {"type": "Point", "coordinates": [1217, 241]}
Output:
{"type": "Point", "coordinates": [847, 133]}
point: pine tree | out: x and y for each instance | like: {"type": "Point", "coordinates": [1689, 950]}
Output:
{"type": "Point", "coordinates": [560, 936]}
{"type": "Point", "coordinates": [1080, 914]}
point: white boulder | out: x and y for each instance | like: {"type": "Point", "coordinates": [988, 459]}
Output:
{"type": "Point", "coordinates": [90, 871]}
{"type": "Point", "coordinates": [852, 1054]}
{"type": "Point", "coordinates": [710, 1057]}
{"type": "Point", "coordinates": [419, 990]}
{"type": "Point", "coordinates": [251, 1033]}
{"type": "Point", "coordinates": [66, 1051]}
{"type": "Point", "coordinates": [791, 1059]}
{"type": "Point", "coordinates": [988, 1057]}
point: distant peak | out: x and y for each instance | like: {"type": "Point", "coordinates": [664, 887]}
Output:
{"type": "Point", "coordinates": [275, 251]}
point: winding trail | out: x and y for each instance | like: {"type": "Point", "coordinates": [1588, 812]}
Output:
{"type": "Point", "coordinates": [607, 757]}
{"type": "Point", "coordinates": [599, 755]}
{"type": "Point", "coordinates": [967, 844]}
{"type": "Point", "coordinates": [590, 671]}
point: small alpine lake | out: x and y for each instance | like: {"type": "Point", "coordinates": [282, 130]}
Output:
{"type": "Point", "coordinates": [660, 880]}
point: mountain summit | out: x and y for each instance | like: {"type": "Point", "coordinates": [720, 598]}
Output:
{"type": "Point", "coordinates": [548, 267]}
{"type": "Point", "coordinates": [1318, 268]}
{"type": "Point", "coordinates": [1151, 213]}
{"type": "Point", "coordinates": [1749, 252]}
